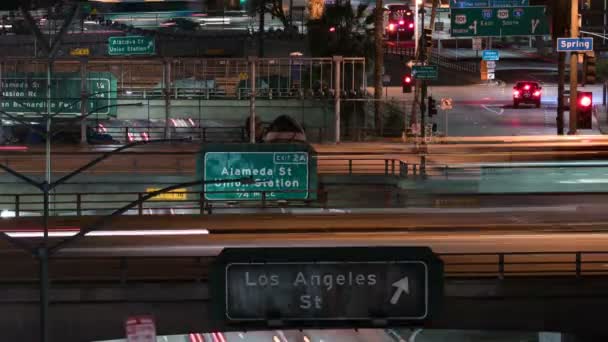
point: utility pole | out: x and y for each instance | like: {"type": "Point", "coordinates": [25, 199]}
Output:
{"type": "Point", "coordinates": [559, 30]}
{"type": "Point", "coordinates": [423, 58]}
{"type": "Point", "coordinates": [561, 66]}
{"type": "Point", "coordinates": [378, 64]}
{"type": "Point", "coordinates": [573, 67]}
{"type": "Point", "coordinates": [261, 28]}
{"type": "Point", "coordinates": [426, 53]}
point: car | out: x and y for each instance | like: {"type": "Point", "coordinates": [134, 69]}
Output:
{"type": "Point", "coordinates": [400, 23]}
{"type": "Point", "coordinates": [527, 92]}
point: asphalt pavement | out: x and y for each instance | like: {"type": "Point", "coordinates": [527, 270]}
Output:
{"type": "Point", "coordinates": [487, 110]}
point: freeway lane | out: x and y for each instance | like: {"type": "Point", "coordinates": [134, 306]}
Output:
{"type": "Point", "coordinates": [188, 257]}
{"type": "Point", "coordinates": [487, 110]}
{"type": "Point", "coordinates": [211, 245]}
{"type": "Point", "coordinates": [181, 159]}
{"type": "Point", "coordinates": [565, 217]}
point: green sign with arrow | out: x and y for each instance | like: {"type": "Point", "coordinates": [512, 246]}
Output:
{"type": "Point", "coordinates": [499, 22]}
{"type": "Point", "coordinates": [26, 93]}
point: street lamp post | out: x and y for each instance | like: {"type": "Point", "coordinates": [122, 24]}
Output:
{"type": "Point", "coordinates": [44, 251]}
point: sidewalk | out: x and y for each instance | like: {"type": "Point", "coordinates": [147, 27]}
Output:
{"type": "Point", "coordinates": [599, 111]}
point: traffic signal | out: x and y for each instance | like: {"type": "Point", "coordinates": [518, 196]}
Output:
{"type": "Point", "coordinates": [584, 109]}
{"type": "Point", "coordinates": [407, 83]}
{"type": "Point", "coordinates": [428, 37]}
{"type": "Point", "coordinates": [589, 69]}
{"type": "Point", "coordinates": [432, 106]}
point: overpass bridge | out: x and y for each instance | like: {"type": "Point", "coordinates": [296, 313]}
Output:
{"type": "Point", "coordinates": [500, 278]}
{"type": "Point", "coordinates": [207, 92]}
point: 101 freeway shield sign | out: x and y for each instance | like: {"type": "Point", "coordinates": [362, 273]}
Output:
{"type": "Point", "coordinates": [499, 21]}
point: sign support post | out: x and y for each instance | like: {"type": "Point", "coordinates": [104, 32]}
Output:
{"type": "Point", "coordinates": [83, 99]}
{"type": "Point", "coordinates": [252, 120]}
{"type": "Point", "coordinates": [573, 67]}
{"type": "Point", "coordinates": [338, 78]}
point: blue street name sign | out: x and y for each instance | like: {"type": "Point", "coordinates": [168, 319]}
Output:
{"type": "Point", "coordinates": [574, 44]}
{"type": "Point", "coordinates": [490, 55]}
{"type": "Point", "coordinates": [488, 3]}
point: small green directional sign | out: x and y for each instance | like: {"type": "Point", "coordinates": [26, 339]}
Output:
{"type": "Point", "coordinates": [131, 46]}
{"type": "Point", "coordinates": [425, 72]}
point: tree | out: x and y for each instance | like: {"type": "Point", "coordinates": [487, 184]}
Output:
{"type": "Point", "coordinates": [273, 7]}
{"type": "Point", "coordinates": [341, 31]}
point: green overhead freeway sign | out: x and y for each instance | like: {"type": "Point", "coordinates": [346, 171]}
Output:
{"type": "Point", "coordinates": [131, 46]}
{"type": "Point", "coordinates": [26, 93]}
{"type": "Point", "coordinates": [499, 22]}
{"type": "Point", "coordinates": [282, 171]}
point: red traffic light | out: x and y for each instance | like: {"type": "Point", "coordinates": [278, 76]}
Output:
{"type": "Point", "coordinates": [585, 101]}
{"type": "Point", "coordinates": [407, 79]}
{"type": "Point", "coordinates": [332, 29]}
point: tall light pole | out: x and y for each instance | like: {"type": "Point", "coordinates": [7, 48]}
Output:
{"type": "Point", "coordinates": [573, 67]}
{"type": "Point", "coordinates": [416, 29]}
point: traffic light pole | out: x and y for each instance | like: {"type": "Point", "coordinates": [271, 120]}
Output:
{"type": "Point", "coordinates": [561, 66]}
{"type": "Point", "coordinates": [573, 67]}
{"type": "Point", "coordinates": [427, 50]}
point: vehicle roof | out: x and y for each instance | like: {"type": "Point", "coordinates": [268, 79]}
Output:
{"type": "Point", "coordinates": [518, 83]}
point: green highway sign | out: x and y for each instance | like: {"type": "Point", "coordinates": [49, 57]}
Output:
{"type": "Point", "coordinates": [498, 22]}
{"type": "Point", "coordinates": [26, 93]}
{"type": "Point", "coordinates": [488, 3]}
{"type": "Point", "coordinates": [425, 72]}
{"type": "Point", "coordinates": [282, 171]}
{"type": "Point", "coordinates": [131, 46]}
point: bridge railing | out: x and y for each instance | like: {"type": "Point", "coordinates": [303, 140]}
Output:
{"type": "Point", "coordinates": [518, 264]}
{"type": "Point", "coordinates": [436, 58]}
{"type": "Point", "coordinates": [195, 201]}
{"type": "Point", "coordinates": [207, 78]}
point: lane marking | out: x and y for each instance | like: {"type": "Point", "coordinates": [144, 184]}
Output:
{"type": "Point", "coordinates": [488, 108]}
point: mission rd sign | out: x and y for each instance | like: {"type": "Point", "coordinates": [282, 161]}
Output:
{"type": "Point", "coordinates": [326, 286]}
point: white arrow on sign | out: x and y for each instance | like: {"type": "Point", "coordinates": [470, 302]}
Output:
{"type": "Point", "coordinates": [402, 285]}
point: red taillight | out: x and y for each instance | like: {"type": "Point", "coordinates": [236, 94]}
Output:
{"type": "Point", "coordinates": [401, 22]}
{"type": "Point", "coordinates": [332, 29]}
{"type": "Point", "coordinates": [585, 101]}
{"type": "Point", "coordinates": [536, 93]}
{"type": "Point", "coordinates": [527, 87]}
{"type": "Point", "coordinates": [391, 27]}
{"type": "Point", "coordinates": [515, 93]}
{"type": "Point", "coordinates": [411, 25]}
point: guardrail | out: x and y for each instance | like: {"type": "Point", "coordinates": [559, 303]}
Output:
{"type": "Point", "coordinates": [436, 58]}
{"type": "Point", "coordinates": [577, 264]}
{"type": "Point", "coordinates": [96, 203]}
{"type": "Point", "coordinates": [504, 265]}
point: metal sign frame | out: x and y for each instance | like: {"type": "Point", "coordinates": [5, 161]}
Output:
{"type": "Point", "coordinates": [426, 291]}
